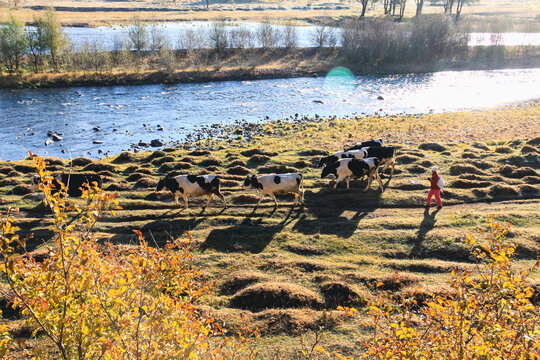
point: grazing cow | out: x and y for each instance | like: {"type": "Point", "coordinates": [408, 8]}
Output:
{"type": "Point", "coordinates": [279, 184]}
{"type": "Point", "coordinates": [385, 154]}
{"type": "Point", "coordinates": [196, 185]}
{"type": "Point", "coordinates": [345, 168]}
{"type": "Point", "coordinates": [73, 182]}
{"type": "Point", "coordinates": [358, 154]}
{"type": "Point", "coordinates": [363, 144]}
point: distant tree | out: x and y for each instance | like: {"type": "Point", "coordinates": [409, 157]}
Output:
{"type": "Point", "coordinates": [158, 39]}
{"type": "Point", "coordinates": [138, 35]}
{"type": "Point", "coordinates": [13, 43]}
{"type": "Point", "coordinates": [36, 43]}
{"type": "Point", "coordinates": [52, 35]}
{"type": "Point", "coordinates": [459, 6]}
{"type": "Point", "coordinates": [402, 4]}
{"type": "Point", "coordinates": [218, 36]}
{"type": "Point", "coordinates": [419, 6]}
{"type": "Point", "coordinates": [323, 36]}
{"type": "Point", "coordinates": [364, 7]}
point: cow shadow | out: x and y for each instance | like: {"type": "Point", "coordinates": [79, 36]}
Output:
{"type": "Point", "coordinates": [252, 234]}
{"type": "Point", "coordinates": [337, 212]}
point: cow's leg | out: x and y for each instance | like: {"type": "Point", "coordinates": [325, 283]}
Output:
{"type": "Point", "coordinates": [210, 196]}
{"type": "Point", "coordinates": [176, 198]}
{"type": "Point", "coordinates": [347, 180]}
{"type": "Point", "coordinates": [379, 180]}
{"type": "Point", "coordinates": [370, 179]}
{"type": "Point", "coordinates": [338, 180]}
{"type": "Point", "coordinates": [220, 195]}
{"type": "Point", "coordinates": [260, 199]}
{"type": "Point", "coordinates": [296, 195]}
{"type": "Point", "coordinates": [393, 164]}
{"type": "Point", "coordinates": [301, 196]}
{"type": "Point", "coordinates": [185, 200]}
{"type": "Point", "coordinates": [274, 198]}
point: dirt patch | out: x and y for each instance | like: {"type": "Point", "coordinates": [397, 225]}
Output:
{"type": "Point", "coordinates": [52, 161]}
{"type": "Point", "coordinates": [467, 155]}
{"type": "Point", "coordinates": [470, 184]}
{"type": "Point", "coordinates": [522, 172]}
{"type": "Point", "coordinates": [124, 157]}
{"type": "Point", "coordinates": [9, 182]}
{"type": "Point", "coordinates": [80, 161]}
{"type": "Point", "coordinates": [480, 146]}
{"type": "Point", "coordinates": [342, 294]}
{"type": "Point", "coordinates": [163, 160]}
{"type": "Point", "coordinates": [313, 152]}
{"type": "Point", "coordinates": [529, 149]}
{"type": "Point", "coordinates": [301, 164]}
{"type": "Point", "coordinates": [251, 152]}
{"type": "Point", "coordinates": [145, 183]}
{"type": "Point", "coordinates": [416, 169]}
{"type": "Point", "coordinates": [199, 152]}
{"type": "Point", "coordinates": [135, 176]}
{"type": "Point", "coordinates": [276, 295]}
{"type": "Point", "coordinates": [278, 169]}
{"type": "Point", "coordinates": [237, 163]}
{"type": "Point", "coordinates": [470, 177]}
{"type": "Point", "coordinates": [154, 155]}
{"type": "Point", "coordinates": [240, 279]}
{"type": "Point", "coordinates": [8, 312]}
{"type": "Point", "coordinates": [238, 170]}
{"type": "Point", "coordinates": [503, 150]}
{"type": "Point", "coordinates": [167, 167]}
{"type": "Point", "coordinates": [211, 161]}
{"type": "Point", "coordinates": [6, 170]}
{"type": "Point", "coordinates": [245, 199]}
{"type": "Point", "coordinates": [528, 190]}
{"type": "Point", "coordinates": [96, 167]}
{"type": "Point", "coordinates": [432, 146]}
{"type": "Point", "coordinates": [229, 183]}
{"type": "Point", "coordinates": [503, 191]}
{"type": "Point", "coordinates": [25, 169]}
{"type": "Point", "coordinates": [533, 180]}
{"type": "Point", "coordinates": [465, 169]}
{"type": "Point", "coordinates": [258, 159]}
{"type": "Point", "coordinates": [121, 186]}
{"type": "Point", "coordinates": [21, 190]}
{"type": "Point", "coordinates": [410, 186]}
{"type": "Point", "coordinates": [534, 142]}
{"type": "Point", "coordinates": [407, 159]}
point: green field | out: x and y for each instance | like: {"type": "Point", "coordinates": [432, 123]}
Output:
{"type": "Point", "coordinates": [278, 269]}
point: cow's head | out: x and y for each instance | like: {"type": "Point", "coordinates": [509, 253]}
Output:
{"type": "Point", "coordinates": [329, 169]}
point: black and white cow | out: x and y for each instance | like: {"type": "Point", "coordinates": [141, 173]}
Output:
{"type": "Point", "coordinates": [385, 154]}
{"type": "Point", "coordinates": [358, 154]}
{"type": "Point", "coordinates": [277, 184]}
{"type": "Point", "coordinates": [363, 144]}
{"type": "Point", "coordinates": [343, 169]}
{"type": "Point", "coordinates": [74, 182]}
{"type": "Point", "coordinates": [195, 185]}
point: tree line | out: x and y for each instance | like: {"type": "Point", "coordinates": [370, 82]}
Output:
{"type": "Point", "coordinates": [361, 41]}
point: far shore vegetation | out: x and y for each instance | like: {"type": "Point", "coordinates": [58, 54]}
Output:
{"type": "Point", "coordinates": [43, 56]}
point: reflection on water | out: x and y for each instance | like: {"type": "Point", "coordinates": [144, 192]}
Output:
{"type": "Point", "coordinates": [111, 38]}
{"type": "Point", "coordinates": [128, 114]}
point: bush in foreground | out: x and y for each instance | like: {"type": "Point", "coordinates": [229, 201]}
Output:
{"type": "Point", "coordinates": [94, 301]}
{"type": "Point", "coordinates": [486, 315]}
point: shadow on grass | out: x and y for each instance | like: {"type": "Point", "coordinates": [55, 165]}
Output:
{"type": "Point", "coordinates": [326, 210]}
{"type": "Point", "coordinates": [251, 235]}
{"type": "Point", "coordinates": [427, 224]}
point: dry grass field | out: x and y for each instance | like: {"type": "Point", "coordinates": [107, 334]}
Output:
{"type": "Point", "coordinates": [486, 15]}
{"type": "Point", "coordinates": [278, 269]}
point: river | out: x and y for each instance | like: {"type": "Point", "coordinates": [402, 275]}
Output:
{"type": "Point", "coordinates": [126, 115]}
{"type": "Point", "coordinates": [113, 37]}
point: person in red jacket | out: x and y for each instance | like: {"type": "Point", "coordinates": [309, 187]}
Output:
{"type": "Point", "coordinates": [436, 186]}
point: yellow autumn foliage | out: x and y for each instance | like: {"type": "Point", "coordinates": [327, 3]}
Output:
{"type": "Point", "coordinates": [95, 300]}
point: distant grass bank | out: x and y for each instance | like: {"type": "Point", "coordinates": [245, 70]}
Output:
{"type": "Point", "coordinates": [230, 65]}
{"type": "Point", "coordinates": [276, 270]}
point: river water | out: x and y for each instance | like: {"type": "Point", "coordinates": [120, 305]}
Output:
{"type": "Point", "coordinates": [113, 37]}
{"type": "Point", "coordinates": [129, 114]}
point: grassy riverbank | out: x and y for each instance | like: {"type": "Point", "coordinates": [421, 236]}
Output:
{"type": "Point", "coordinates": [340, 242]}
{"type": "Point", "coordinates": [254, 64]}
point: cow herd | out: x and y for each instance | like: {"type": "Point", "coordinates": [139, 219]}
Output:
{"type": "Point", "coordinates": [362, 159]}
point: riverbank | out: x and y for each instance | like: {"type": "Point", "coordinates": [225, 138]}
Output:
{"type": "Point", "coordinates": [333, 250]}
{"type": "Point", "coordinates": [231, 65]}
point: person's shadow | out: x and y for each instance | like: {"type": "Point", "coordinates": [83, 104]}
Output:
{"type": "Point", "coordinates": [427, 224]}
